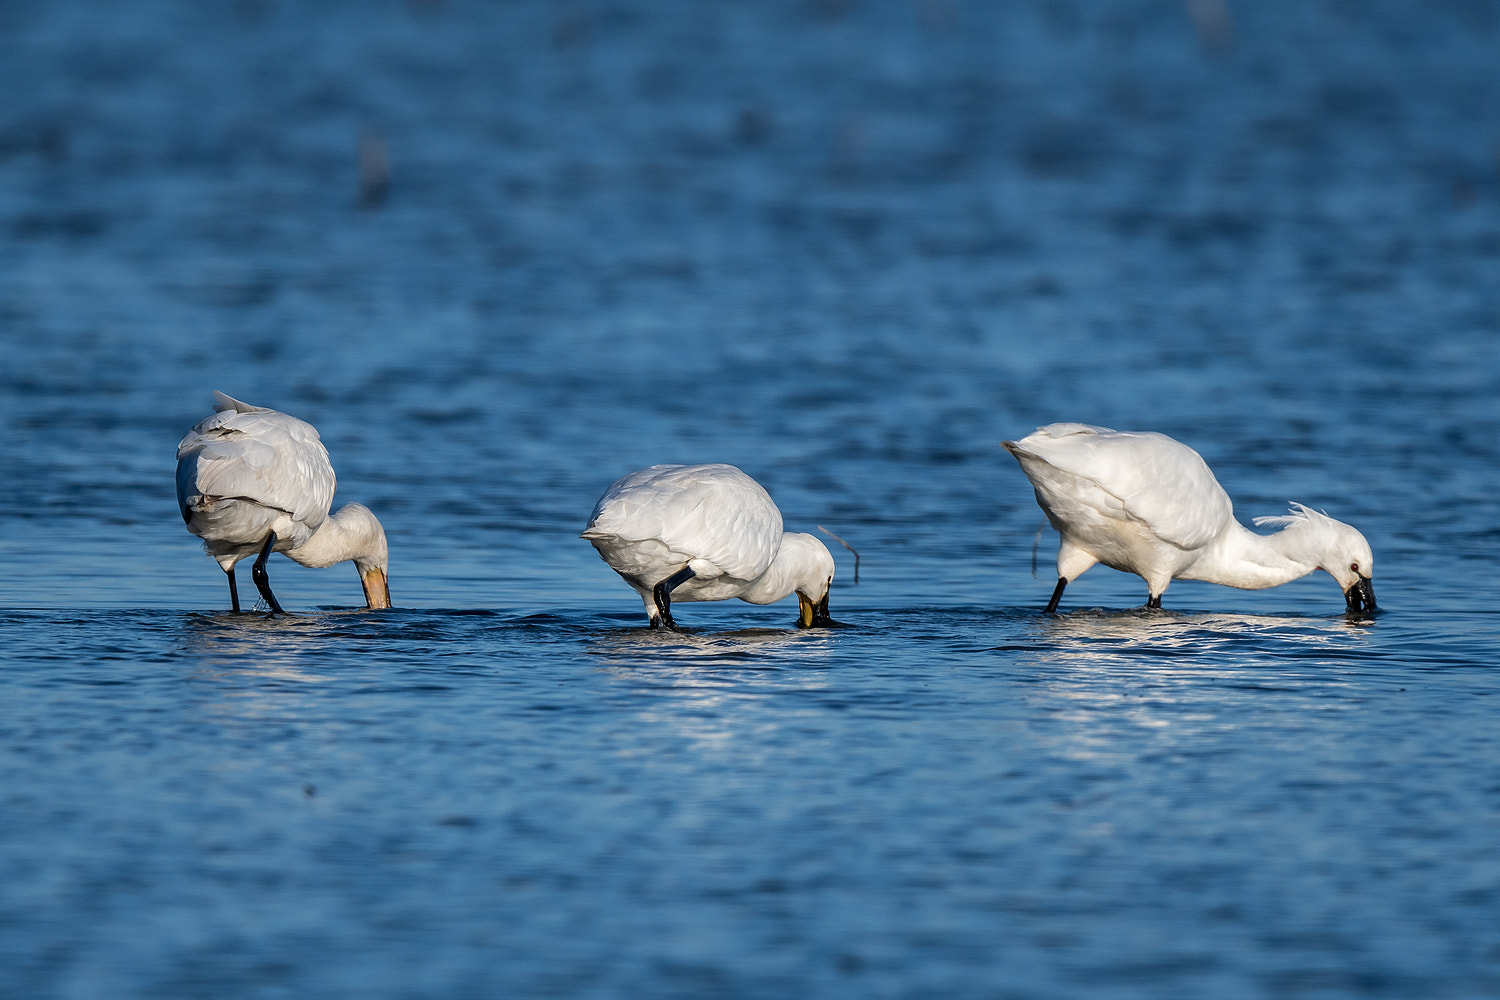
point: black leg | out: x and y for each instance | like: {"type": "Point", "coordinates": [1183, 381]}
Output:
{"type": "Point", "coordinates": [234, 593]}
{"type": "Point", "coordinates": [262, 580]}
{"type": "Point", "coordinates": [1154, 602]}
{"type": "Point", "coordinates": [1062, 582]}
{"type": "Point", "coordinates": [662, 595]}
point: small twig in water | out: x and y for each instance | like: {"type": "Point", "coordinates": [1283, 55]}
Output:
{"type": "Point", "coordinates": [846, 545]}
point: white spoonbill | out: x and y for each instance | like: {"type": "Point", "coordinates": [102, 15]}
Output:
{"type": "Point", "coordinates": [1146, 504]}
{"type": "Point", "coordinates": [252, 481]}
{"type": "Point", "coordinates": [707, 533]}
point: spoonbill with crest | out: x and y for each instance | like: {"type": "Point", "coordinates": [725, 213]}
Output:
{"type": "Point", "coordinates": [1146, 504]}
{"type": "Point", "coordinates": [252, 481]}
{"type": "Point", "coordinates": [707, 533]}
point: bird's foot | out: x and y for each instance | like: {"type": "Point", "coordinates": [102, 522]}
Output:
{"type": "Point", "coordinates": [664, 622]}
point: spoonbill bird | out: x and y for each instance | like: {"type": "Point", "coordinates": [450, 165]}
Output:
{"type": "Point", "coordinates": [707, 533]}
{"type": "Point", "coordinates": [1146, 504]}
{"type": "Point", "coordinates": [252, 481]}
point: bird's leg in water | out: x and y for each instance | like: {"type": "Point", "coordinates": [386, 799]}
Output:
{"type": "Point", "coordinates": [1154, 601]}
{"type": "Point", "coordinates": [662, 595]}
{"type": "Point", "coordinates": [234, 593]}
{"type": "Point", "coordinates": [262, 580]}
{"type": "Point", "coordinates": [1062, 582]}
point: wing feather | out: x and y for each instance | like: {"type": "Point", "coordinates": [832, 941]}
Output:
{"type": "Point", "coordinates": [708, 512]}
{"type": "Point", "coordinates": [262, 455]}
{"type": "Point", "coordinates": [1144, 476]}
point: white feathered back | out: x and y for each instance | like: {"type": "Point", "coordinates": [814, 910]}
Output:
{"type": "Point", "coordinates": [711, 512]}
{"type": "Point", "coordinates": [1144, 472]}
{"type": "Point", "coordinates": [258, 454]}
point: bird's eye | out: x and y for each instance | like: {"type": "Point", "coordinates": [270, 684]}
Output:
{"type": "Point", "coordinates": [1354, 566]}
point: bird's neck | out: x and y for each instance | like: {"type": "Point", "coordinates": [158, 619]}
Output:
{"type": "Point", "coordinates": [1241, 558]}
{"type": "Point", "coordinates": [791, 570]}
{"type": "Point", "coordinates": [351, 533]}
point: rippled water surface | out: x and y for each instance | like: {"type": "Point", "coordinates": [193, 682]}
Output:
{"type": "Point", "coordinates": [501, 254]}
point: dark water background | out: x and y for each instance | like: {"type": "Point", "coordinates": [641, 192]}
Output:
{"type": "Point", "coordinates": [501, 253]}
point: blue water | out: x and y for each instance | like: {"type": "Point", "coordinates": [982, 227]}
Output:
{"type": "Point", "coordinates": [849, 247]}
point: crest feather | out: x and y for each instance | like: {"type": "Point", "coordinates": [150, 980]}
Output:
{"type": "Point", "coordinates": [1300, 514]}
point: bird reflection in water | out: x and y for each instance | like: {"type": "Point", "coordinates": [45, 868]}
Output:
{"type": "Point", "coordinates": [286, 648]}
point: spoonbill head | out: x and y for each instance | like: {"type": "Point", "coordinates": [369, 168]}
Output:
{"type": "Point", "coordinates": [707, 533]}
{"type": "Point", "coordinates": [1346, 554]}
{"type": "Point", "coordinates": [1146, 504]}
{"type": "Point", "coordinates": [252, 481]}
{"type": "Point", "coordinates": [807, 566]}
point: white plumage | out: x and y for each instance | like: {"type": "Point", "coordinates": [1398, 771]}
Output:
{"type": "Point", "coordinates": [251, 481]}
{"type": "Point", "coordinates": [1146, 504]}
{"type": "Point", "coordinates": [706, 533]}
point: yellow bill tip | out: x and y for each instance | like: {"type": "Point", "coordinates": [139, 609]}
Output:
{"type": "Point", "coordinates": [377, 588]}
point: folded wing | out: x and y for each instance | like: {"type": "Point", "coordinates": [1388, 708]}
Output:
{"type": "Point", "coordinates": [714, 513]}
{"type": "Point", "coordinates": [251, 453]}
{"type": "Point", "coordinates": [1147, 477]}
